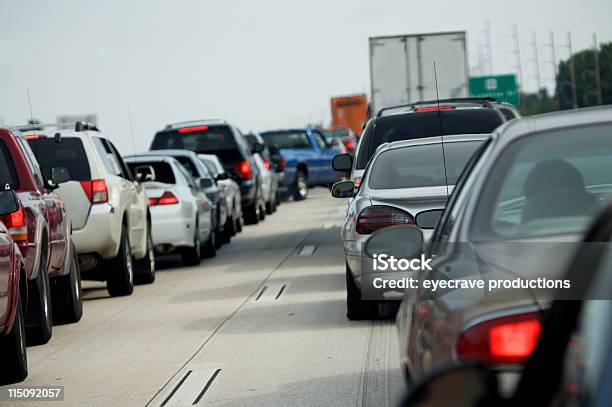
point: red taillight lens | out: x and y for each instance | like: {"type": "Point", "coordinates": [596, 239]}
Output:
{"type": "Point", "coordinates": [350, 144]}
{"type": "Point", "coordinates": [267, 163]}
{"type": "Point", "coordinates": [16, 224]}
{"type": "Point", "coordinates": [282, 163]}
{"type": "Point", "coordinates": [357, 181]}
{"type": "Point", "coordinates": [377, 217]}
{"type": "Point", "coordinates": [505, 340]}
{"type": "Point", "coordinates": [96, 190]}
{"type": "Point", "coordinates": [433, 108]}
{"type": "Point", "coordinates": [167, 198]}
{"type": "Point", "coordinates": [243, 169]}
{"type": "Point", "coordinates": [192, 129]}
{"type": "Point", "coordinates": [32, 136]}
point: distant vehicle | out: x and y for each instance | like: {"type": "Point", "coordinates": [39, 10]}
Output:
{"type": "Point", "coordinates": [350, 112]}
{"type": "Point", "coordinates": [226, 142]}
{"type": "Point", "coordinates": [405, 181]}
{"type": "Point", "coordinates": [108, 209]}
{"type": "Point", "coordinates": [42, 231]}
{"type": "Point", "coordinates": [534, 188]}
{"type": "Point", "coordinates": [200, 173]}
{"type": "Point", "coordinates": [420, 120]}
{"type": "Point", "coordinates": [182, 217]}
{"type": "Point", "coordinates": [229, 188]}
{"type": "Point", "coordinates": [13, 279]}
{"type": "Point", "coordinates": [307, 159]}
{"type": "Point", "coordinates": [402, 68]}
{"type": "Point", "coordinates": [269, 175]}
{"type": "Point", "coordinates": [345, 135]}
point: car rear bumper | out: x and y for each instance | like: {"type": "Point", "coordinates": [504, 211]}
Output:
{"type": "Point", "coordinates": [248, 191]}
{"type": "Point", "coordinates": [101, 234]}
{"type": "Point", "coordinates": [171, 226]}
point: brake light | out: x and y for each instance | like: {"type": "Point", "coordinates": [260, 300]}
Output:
{"type": "Point", "coordinates": [282, 163]}
{"type": "Point", "coordinates": [192, 129]}
{"type": "Point", "coordinates": [96, 190]}
{"type": "Point", "coordinates": [167, 198]}
{"type": "Point", "coordinates": [434, 108]}
{"type": "Point", "coordinates": [243, 169]}
{"type": "Point", "coordinates": [267, 163]}
{"type": "Point", "coordinates": [357, 181]}
{"type": "Point", "coordinates": [377, 217]}
{"type": "Point", "coordinates": [16, 224]}
{"type": "Point", "coordinates": [32, 136]}
{"type": "Point", "coordinates": [350, 144]}
{"type": "Point", "coordinates": [505, 340]}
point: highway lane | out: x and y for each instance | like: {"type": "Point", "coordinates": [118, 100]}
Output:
{"type": "Point", "coordinates": [262, 324]}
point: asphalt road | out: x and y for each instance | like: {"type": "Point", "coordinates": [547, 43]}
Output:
{"type": "Point", "coordinates": [262, 324]}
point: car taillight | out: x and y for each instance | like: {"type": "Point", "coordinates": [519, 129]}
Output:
{"type": "Point", "coordinates": [357, 181]}
{"type": "Point", "coordinates": [267, 163]}
{"type": "Point", "coordinates": [505, 340]}
{"type": "Point", "coordinates": [16, 224]}
{"type": "Point", "coordinates": [193, 129]}
{"type": "Point", "coordinates": [167, 198]}
{"type": "Point", "coordinates": [350, 144]}
{"type": "Point", "coordinates": [96, 190]}
{"type": "Point", "coordinates": [243, 169]}
{"type": "Point", "coordinates": [282, 163]}
{"type": "Point", "coordinates": [377, 217]}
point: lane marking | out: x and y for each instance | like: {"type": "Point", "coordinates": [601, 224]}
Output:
{"type": "Point", "coordinates": [205, 389]}
{"type": "Point", "coordinates": [179, 384]}
{"type": "Point", "coordinates": [281, 291]}
{"type": "Point", "coordinates": [191, 388]}
{"type": "Point", "coordinates": [263, 290]}
{"type": "Point", "coordinates": [307, 250]}
{"type": "Point", "coordinates": [271, 292]}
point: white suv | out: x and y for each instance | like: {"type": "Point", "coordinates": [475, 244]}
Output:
{"type": "Point", "coordinates": [108, 209]}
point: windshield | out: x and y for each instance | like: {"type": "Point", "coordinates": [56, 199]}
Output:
{"type": "Point", "coordinates": [286, 139]}
{"type": "Point", "coordinates": [552, 183]}
{"type": "Point", "coordinates": [421, 166]}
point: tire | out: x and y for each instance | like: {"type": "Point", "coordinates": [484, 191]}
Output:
{"type": "Point", "coordinates": [144, 269]}
{"type": "Point", "coordinates": [274, 203]}
{"type": "Point", "coordinates": [251, 217]}
{"type": "Point", "coordinates": [239, 224]}
{"type": "Point", "coordinates": [13, 351]}
{"type": "Point", "coordinates": [39, 317]}
{"type": "Point", "coordinates": [120, 280]}
{"type": "Point", "coordinates": [300, 186]}
{"type": "Point", "coordinates": [262, 211]}
{"type": "Point", "coordinates": [219, 239]}
{"type": "Point", "coordinates": [68, 287]}
{"type": "Point", "coordinates": [209, 250]}
{"type": "Point", "coordinates": [191, 255]}
{"type": "Point", "coordinates": [270, 207]}
{"type": "Point", "coordinates": [229, 230]}
{"type": "Point", "coordinates": [356, 308]}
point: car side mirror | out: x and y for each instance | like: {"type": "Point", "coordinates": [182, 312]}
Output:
{"type": "Point", "coordinates": [342, 162]}
{"type": "Point", "coordinates": [465, 385]}
{"type": "Point", "coordinates": [343, 189]}
{"type": "Point", "coordinates": [206, 183]}
{"type": "Point", "coordinates": [145, 173]}
{"type": "Point", "coordinates": [59, 175]}
{"type": "Point", "coordinates": [401, 242]}
{"type": "Point", "coordinates": [428, 219]}
{"type": "Point", "coordinates": [258, 148]}
{"type": "Point", "coordinates": [8, 202]}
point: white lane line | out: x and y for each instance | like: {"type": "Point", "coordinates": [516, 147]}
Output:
{"type": "Point", "coordinates": [191, 388]}
{"type": "Point", "coordinates": [270, 292]}
{"type": "Point", "coordinates": [307, 250]}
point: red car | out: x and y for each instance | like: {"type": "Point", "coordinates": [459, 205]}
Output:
{"type": "Point", "coordinates": [13, 297]}
{"type": "Point", "coordinates": [42, 231]}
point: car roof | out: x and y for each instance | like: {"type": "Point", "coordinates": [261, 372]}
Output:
{"type": "Point", "coordinates": [458, 138]}
{"type": "Point", "coordinates": [80, 130]}
{"type": "Point", "coordinates": [142, 158]}
{"type": "Point", "coordinates": [202, 122]}
{"type": "Point", "coordinates": [457, 103]}
{"type": "Point", "coordinates": [172, 152]}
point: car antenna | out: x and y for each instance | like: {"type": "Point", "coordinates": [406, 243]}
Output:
{"type": "Point", "coordinates": [441, 131]}
{"type": "Point", "coordinates": [31, 112]}
{"type": "Point", "coordinates": [129, 112]}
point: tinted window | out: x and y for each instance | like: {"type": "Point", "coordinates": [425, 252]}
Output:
{"type": "Point", "coordinates": [68, 152]}
{"type": "Point", "coordinates": [427, 124]}
{"type": "Point", "coordinates": [8, 175]}
{"type": "Point", "coordinates": [421, 166]}
{"type": "Point", "coordinates": [106, 155]}
{"type": "Point", "coordinates": [552, 183]}
{"type": "Point", "coordinates": [508, 113]}
{"type": "Point", "coordinates": [189, 166]}
{"type": "Point", "coordinates": [163, 170]}
{"type": "Point", "coordinates": [212, 168]}
{"type": "Point", "coordinates": [286, 139]}
{"type": "Point", "coordinates": [218, 140]}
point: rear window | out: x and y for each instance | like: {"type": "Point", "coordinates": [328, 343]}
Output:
{"type": "Point", "coordinates": [421, 166]}
{"type": "Point", "coordinates": [189, 166]}
{"type": "Point", "coordinates": [427, 124]}
{"type": "Point", "coordinates": [163, 170]}
{"type": "Point", "coordinates": [8, 175]}
{"type": "Point", "coordinates": [218, 140]}
{"type": "Point", "coordinates": [286, 139]}
{"type": "Point", "coordinates": [68, 152]}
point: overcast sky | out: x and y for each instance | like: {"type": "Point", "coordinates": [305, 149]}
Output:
{"type": "Point", "coordinates": [258, 63]}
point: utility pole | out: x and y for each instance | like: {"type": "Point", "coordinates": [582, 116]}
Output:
{"type": "Point", "coordinates": [597, 71]}
{"type": "Point", "coordinates": [572, 71]}
{"type": "Point", "coordinates": [553, 63]}
{"type": "Point", "coordinates": [536, 60]}
{"type": "Point", "coordinates": [489, 46]}
{"type": "Point", "coordinates": [519, 66]}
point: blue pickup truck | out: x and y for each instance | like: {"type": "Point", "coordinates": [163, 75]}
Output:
{"type": "Point", "coordinates": [307, 159]}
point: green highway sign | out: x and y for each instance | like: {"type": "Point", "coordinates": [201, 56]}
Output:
{"type": "Point", "coordinates": [501, 87]}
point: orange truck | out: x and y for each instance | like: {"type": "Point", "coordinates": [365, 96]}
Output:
{"type": "Point", "coordinates": [350, 112]}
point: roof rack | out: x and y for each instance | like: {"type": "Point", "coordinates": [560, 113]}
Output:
{"type": "Point", "coordinates": [178, 125]}
{"type": "Point", "coordinates": [486, 101]}
{"type": "Point", "coordinates": [85, 126]}
{"type": "Point", "coordinates": [78, 126]}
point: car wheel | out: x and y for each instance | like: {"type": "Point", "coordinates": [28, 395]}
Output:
{"type": "Point", "coordinates": [228, 230]}
{"type": "Point", "coordinates": [262, 211]}
{"type": "Point", "coordinates": [67, 290]}
{"type": "Point", "coordinates": [300, 186]}
{"type": "Point", "coordinates": [144, 269]}
{"type": "Point", "coordinates": [13, 351]}
{"type": "Point", "coordinates": [120, 280]}
{"type": "Point", "coordinates": [356, 308]}
{"type": "Point", "coordinates": [219, 239]}
{"type": "Point", "coordinates": [191, 255]}
{"type": "Point", "coordinates": [239, 224]}
{"type": "Point", "coordinates": [251, 217]}
{"type": "Point", "coordinates": [210, 247]}
{"type": "Point", "coordinates": [269, 207]}
{"type": "Point", "coordinates": [274, 203]}
{"type": "Point", "coordinates": [39, 317]}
